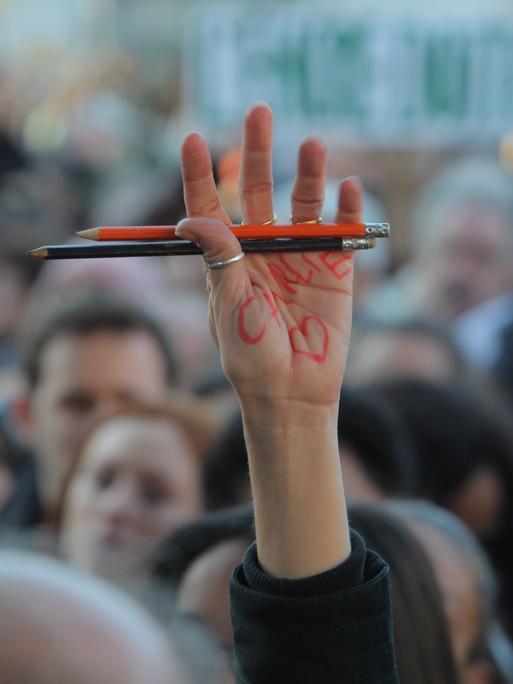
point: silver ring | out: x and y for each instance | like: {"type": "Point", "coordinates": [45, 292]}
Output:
{"type": "Point", "coordinates": [223, 264]}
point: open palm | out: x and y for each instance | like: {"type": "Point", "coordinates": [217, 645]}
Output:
{"type": "Point", "coordinates": [282, 321]}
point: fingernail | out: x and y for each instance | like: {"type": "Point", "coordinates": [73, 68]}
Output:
{"type": "Point", "coordinates": [351, 197]}
{"type": "Point", "coordinates": [353, 179]}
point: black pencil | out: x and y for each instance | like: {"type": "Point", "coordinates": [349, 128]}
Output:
{"type": "Point", "coordinates": [99, 250]}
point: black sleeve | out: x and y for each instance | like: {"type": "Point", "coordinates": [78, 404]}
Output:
{"type": "Point", "coordinates": [332, 628]}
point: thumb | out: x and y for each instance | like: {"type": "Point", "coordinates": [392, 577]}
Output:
{"type": "Point", "coordinates": [214, 238]}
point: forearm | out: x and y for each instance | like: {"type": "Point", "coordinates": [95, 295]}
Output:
{"type": "Point", "coordinates": [298, 494]}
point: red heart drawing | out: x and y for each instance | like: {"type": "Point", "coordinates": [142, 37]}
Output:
{"type": "Point", "coordinates": [298, 343]}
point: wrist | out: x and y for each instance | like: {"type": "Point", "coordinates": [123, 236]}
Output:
{"type": "Point", "coordinates": [287, 428]}
{"type": "Point", "coordinates": [286, 416]}
{"type": "Point", "coordinates": [298, 495]}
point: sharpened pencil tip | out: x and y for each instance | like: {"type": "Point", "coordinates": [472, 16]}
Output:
{"type": "Point", "coordinates": [38, 253]}
{"type": "Point", "coordinates": [89, 233]}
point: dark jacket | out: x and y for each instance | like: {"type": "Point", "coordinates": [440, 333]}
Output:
{"type": "Point", "coordinates": [22, 508]}
{"type": "Point", "coordinates": [333, 628]}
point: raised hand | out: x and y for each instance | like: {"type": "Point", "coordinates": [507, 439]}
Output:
{"type": "Point", "coordinates": [282, 321]}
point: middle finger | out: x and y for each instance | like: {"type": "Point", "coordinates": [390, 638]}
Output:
{"type": "Point", "coordinates": [308, 190]}
{"type": "Point", "coordinates": [256, 178]}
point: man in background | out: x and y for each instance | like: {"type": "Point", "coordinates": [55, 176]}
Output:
{"type": "Point", "coordinates": [83, 358]}
{"type": "Point", "coordinates": [460, 273]}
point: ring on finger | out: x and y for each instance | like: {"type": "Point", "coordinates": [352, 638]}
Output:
{"type": "Point", "coordinates": [217, 265]}
{"type": "Point", "coordinates": [270, 222]}
{"type": "Point", "coordinates": [304, 223]}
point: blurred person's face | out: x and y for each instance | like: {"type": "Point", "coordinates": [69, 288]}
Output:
{"type": "Point", "coordinates": [480, 502]}
{"type": "Point", "coordinates": [204, 589]}
{"type": "Point", "coordinates": [459, 584]}
{"type": "Point", "coordinates": [380, 355]}
{"type": "Point", "coordinates": [470, 261]}
{"type": "Point", "coordinates": [137, 481]}
{"type": "Point", "coordinates": [58, 626]}
{"type": "Point", "coordinates": [358, 485]}
{"type": "Point", "coordinates": [83, 377]}
{"type": "Point", "coordinates": [27, 656]}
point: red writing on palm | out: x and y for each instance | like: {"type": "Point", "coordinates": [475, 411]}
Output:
{"type": "Point", "coordinates": [310, 337]}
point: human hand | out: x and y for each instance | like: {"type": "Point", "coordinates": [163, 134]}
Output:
{"type": "Point", "coordinates": [282, 321]}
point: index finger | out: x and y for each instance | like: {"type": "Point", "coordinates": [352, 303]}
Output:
{"type": "Point", "coordinates": [200, 192]}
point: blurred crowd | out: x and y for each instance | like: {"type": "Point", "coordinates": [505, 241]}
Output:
{"type": "Point", "coordinates": [122, 453]}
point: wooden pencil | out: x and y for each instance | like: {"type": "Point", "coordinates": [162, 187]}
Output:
{"type": "Point", "coordinates": [301, 230]}
{"type": "Point", "coordinates": [100, 250]}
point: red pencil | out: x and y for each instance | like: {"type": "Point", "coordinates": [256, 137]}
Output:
{"type": "Point", "coordinates": [298, 230]}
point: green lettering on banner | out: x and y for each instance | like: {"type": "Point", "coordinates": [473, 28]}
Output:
{"type": "Point", "coordinates": [334, 74]}
{"type": "Point", "coordinates": [404, 82]}
{"type": "Point", "coordinates": [446, 77]}
{"type": "Point", "coordinates": [291, 59]}
{"type": "Point", "coordinates": [350, 59]}
{"type": "Point", "coordinates": [387, 82]}
{"type": "Point", "coordinates": [505, 80]}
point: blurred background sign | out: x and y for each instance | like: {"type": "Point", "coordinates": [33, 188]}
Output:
{"type": "Point", "coordinates": [400, 79]}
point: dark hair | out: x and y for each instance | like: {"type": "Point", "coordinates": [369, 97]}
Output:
{"type": "Point", "coordinates": [491, 647]}
{"type": "Point", "coordinates": [373, 429]}
{"type": "Point", "coordinates": [10, 451]}
{"type": "Point", "coordinates": [457, 431]}
{"type": "Point", "coordinates": [88, 312]}
{"type": "Point", "coordinates": [422, 641]}
{"type": "Point", "coordinates": [226, 466]}
{"type": "Point", "coordinates": [503, 366]}
{"type": "Point", "coordinates": [384, 450]}
{"type": "Point", "coordinates": [174, 555]}
{"type": "Point", "coordinates": [454, 432]}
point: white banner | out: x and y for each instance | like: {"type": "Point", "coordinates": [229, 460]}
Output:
{"type": "Point", "coordinates": [377, 79]}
